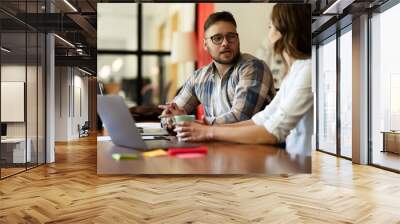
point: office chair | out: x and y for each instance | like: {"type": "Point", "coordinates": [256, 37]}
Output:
{"type": "Point", "coordinates": [84, 130]}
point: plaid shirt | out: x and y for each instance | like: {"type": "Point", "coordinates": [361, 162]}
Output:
{"type": "Point", "coordinates": [247, 87]}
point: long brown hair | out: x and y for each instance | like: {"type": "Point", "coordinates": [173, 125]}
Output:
{"type": "Point", "coordinates": [293, 21]}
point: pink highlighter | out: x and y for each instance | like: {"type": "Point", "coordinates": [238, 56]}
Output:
{"type": "Point", "coordinates": [180, 151]}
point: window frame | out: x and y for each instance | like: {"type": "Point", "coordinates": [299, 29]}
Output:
{"type": "Point", "coordinates": [333, 37]}
{"type": "Point", "coordinates": [140, 53]}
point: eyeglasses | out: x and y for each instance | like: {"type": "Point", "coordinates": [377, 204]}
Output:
{"type": "Point", "coordinates": [218, 38]}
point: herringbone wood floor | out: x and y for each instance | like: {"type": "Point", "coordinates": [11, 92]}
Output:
{"type": "Point", "coordinates": [69, 191]}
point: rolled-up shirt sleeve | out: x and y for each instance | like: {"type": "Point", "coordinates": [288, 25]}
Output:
{"type": "Point", "coordinates": [287, 111]}
{"type": "Point", "coordinates": [187, 98]}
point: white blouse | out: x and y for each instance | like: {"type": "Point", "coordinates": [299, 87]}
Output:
{"type": "Point", "coordinates": [289, 116]}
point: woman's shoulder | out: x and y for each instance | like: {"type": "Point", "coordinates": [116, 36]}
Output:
{"type": "Point", "coordinates": [302, 63]}
{"type": "Point", "coordinates": [302, 72]}
{"type": "Point", "coordinates": [301, 67]}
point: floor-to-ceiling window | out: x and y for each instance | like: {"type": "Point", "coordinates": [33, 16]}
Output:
{"type": "Point", "coordinates": [326, 95]}
{"type": "Point", "coordinates": [345, 59]}
{"type": "Point", "coordinates": [334, 93]}
{"type": "Point", "coordinates": [22, 77]}
{"type": "Point", "coordinates": [385, 89]}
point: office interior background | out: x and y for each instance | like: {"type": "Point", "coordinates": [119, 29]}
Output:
{"type": "Point", "coordinates": [52, 58]}
{"type": "Point", "coordinates": [357, 83]}
{"type": "Point", "coordinates": [151, 45]}
{"type": "Point", "coordinates": [134, 60]}
{"type": "Point", "coordinates": [48, 82]}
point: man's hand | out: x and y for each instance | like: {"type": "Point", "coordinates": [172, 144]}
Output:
{"type": "Point", "coordinates": [171, 109]}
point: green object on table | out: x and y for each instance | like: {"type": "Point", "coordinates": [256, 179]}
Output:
{"type": "Point", "coordinates": [180, 118]}
{"type": "Point", "coordinates": [125, 156]}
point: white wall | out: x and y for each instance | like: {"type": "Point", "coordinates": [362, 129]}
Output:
{"type": "Point", "coordinates": [12, 73]}
{"type": "Point", "coordinates": [252, 23]}
{"type": "Point", "coordinates": [61, 103]}
{"type": "Point", "coordinates": [70, 84]}
{"type": "Point", "coordinates": [81, 104]}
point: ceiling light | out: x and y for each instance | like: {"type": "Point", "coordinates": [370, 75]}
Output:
{"type": "Point", "coordinates": [64, 40]}
{"type": "Point", "coordinates": [84, 71]}
{"type": "Point", "coordinates": [117, 65]}
{"type": "Point", "coordinates": [5, 50]}
{"type": "Point", "coordinates": [337, 7]}
{"type": "Point", "coordinates": [70, 5]}
{"type": "Point", "coordinates": [105, 72]}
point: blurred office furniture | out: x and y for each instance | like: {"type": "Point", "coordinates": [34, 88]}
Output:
{"type": "Point", "coordinates": [112, 88]}
{"type": "Point", "coordinates": [167, 88]}
{"type": "Point", "coordinates": [145, 113]}
{"type": "Point", "coordinates": [3, 130]}
{"type": "Point", "coordinates": [147, 94]}
{"type": "Point", "coordinates": [13, 151]}
{"type": "Point", "coordinates": [391, 141]}
{"type": "Point", "coordinates": [84, 129]}
{"type": "Point", "coordinates": [129, 87]}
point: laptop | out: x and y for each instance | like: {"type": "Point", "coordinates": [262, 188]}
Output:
{"type": "Point", "coordinates": [122, 127]}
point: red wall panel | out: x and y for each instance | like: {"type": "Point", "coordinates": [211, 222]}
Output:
{"type": "Point", "coordinates": [203, 11]}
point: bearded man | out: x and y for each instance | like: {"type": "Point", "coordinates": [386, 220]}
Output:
{"type": "Point", "coordinates": [233, 87]}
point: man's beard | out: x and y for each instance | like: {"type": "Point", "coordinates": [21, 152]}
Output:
{"type": "Point", "coordinates": [232, 61]}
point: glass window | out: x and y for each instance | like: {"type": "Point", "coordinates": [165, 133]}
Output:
{"type": "Point", "coordinates": [32, 97]}
{"type": "Point", "coordinates": [117, 31]}
{"type": "Point", "coordinates": [156, 78]}
{"type": "Point", "coordinates": [385, 84]}
{"type": "Point", "coordinates": [118, 73]}
{"type": "Point", "coordinates": [14, 150]}
{"type": "Point", "coordinates": [327, 96]}
{"type": "Point", "coordinates": [22, 90]}
{"type": "Point", "coordinates": [346, 94]}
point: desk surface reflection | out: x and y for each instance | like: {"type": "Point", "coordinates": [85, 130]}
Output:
{"type": "Point", "coordinates": [222, 158]}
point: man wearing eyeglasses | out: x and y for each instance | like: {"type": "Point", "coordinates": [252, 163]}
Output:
{"type": "Point", "coordinates": [233, 87]}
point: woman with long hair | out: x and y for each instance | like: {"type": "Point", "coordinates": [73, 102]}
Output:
{"type": "Point", "coordinates": [289, 117]}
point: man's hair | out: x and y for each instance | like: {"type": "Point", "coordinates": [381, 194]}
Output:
{"type": "Point", "coordinates": [219, 16]}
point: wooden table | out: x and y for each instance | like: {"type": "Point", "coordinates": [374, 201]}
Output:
{"type": "Point", "coordinates": [222, 158]}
